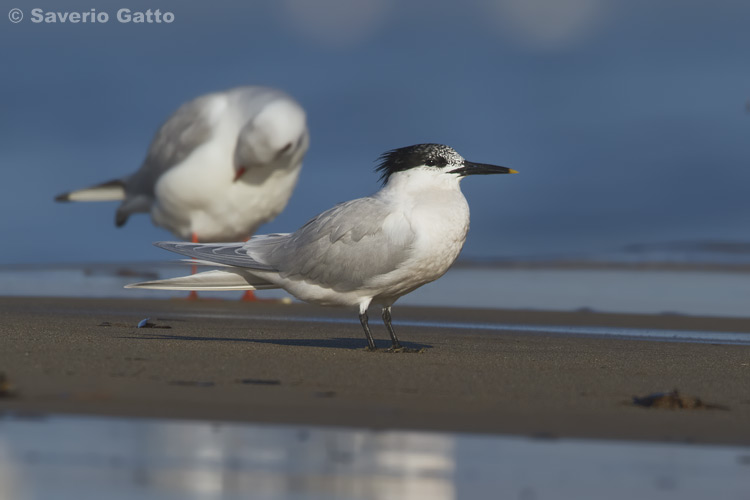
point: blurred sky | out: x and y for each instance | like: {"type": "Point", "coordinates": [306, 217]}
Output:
{"type": "Point", "coordinates": [626, 119]}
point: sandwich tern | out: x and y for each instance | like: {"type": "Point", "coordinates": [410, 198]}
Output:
{"type": "Point", "coordinates": [371, 250]}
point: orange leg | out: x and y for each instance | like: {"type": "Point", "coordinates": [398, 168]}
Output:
{"type": "Point", "coordinates": [194, 269]}
{"type": "Point", "coordinates": [248, 296]}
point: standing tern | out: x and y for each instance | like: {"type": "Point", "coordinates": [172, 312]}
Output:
{"type": "Point", "coordinates": [369, 250]}
{"type": "Point", "coordinates": [219, 167]}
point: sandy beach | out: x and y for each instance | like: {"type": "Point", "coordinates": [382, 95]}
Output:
{"type": "Point", "coordinates": [232, 361]}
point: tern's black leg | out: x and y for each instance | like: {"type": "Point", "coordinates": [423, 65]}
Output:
{"type": "Point", "coordinates": [387, 320]}
{"type": "Point", "coordinates": [363, 320]}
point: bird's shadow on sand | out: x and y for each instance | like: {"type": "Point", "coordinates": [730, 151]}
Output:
{"type": "Point", "coordinates": [332, 343]}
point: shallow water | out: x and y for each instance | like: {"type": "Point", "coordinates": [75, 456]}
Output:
{"type": "Point", "coordinates": [700, 293]}
{"type": "Point", "coordinates": [704, 293]}
{"type": "Point", "coordinates": [92, 457]}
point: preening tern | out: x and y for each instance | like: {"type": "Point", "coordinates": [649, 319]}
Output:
{"type": "Point", "coordinates": [218, 168]}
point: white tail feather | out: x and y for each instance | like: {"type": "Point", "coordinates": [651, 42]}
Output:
{"type": "Point", "coordinates": [108, 191]}
{"type": "Point", "coordinates": [99, 194]}
{"type": "Point", "coordinates": [199, 262]}
{"type": "Point", "coordinates": [209, 280]}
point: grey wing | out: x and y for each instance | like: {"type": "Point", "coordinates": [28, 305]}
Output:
{"type": "Point", "coordinates": [344, 248]}
{"type": "Point", "coordinates": [231, 254]}
{"type": "Point", "coordinates": [187, 128]}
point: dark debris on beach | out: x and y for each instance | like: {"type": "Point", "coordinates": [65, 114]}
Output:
{"type": "Point", "coordinates": [674, 401]}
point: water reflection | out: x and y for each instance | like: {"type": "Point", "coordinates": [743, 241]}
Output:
{"type": "Point", "coordinates": [90, 457]}
{"type": "Point", "coordinates": [211, 461]}
{"type": "Point", "coordinates": [80, 458]}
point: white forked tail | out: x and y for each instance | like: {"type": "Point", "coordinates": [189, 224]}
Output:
{"type": "Point", "coordinates": [217, 280]}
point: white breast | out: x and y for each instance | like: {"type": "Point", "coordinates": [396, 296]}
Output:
{"type": "Point", "coordinates": [439, 217]}
{"type": "Point", "coordinates": [199, 196]}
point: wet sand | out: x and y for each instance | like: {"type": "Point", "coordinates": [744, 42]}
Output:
{"type": "Point", "coordinates": [226, 360]}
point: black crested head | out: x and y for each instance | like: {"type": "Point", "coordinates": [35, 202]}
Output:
{"type": "Point", "coordinates": [431, 155]}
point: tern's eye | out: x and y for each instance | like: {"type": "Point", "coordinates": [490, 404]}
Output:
{"type": "Point", "coordinates": [436, 162]}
